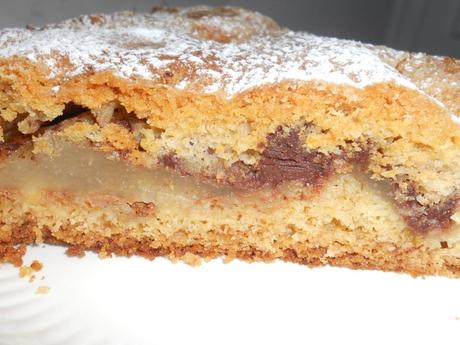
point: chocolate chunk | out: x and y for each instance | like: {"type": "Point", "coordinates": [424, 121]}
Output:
{"type": "Point", "coordinates": [285, 159]}
{"type": "Point", "coordinates": [424, 218]}
{"type": "Point", "coordinates": [361, 156]}
{"type": "Point", "coordinates": [436, 216]}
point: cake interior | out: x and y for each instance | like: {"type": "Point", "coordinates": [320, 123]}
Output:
{"type": "Point", "coordinates": [88, 200]}
{"type": "Point", "coordinates": [113, 181]}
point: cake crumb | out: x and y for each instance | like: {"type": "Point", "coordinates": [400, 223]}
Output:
{"type": "Point", "coordinates": [36, 265]}
{"type": "Point", "coordinates": [42, 290]}
{"type": "Point", "coordinates": [231, 255]}
{"type": "Point", "coordinates": [25, 271]}
{"type": "Point", "coordinates": [12, 254]}
{"type": "Point", "coordinates": [75, 251]}
{"type": "Point", "coordinates": [191, 259]}
{"type": "Point", "coordinates": [457, 317]}
{"type": "Point", "coordinates": [32, 278]}
{"type": "Point", "coordinates": [28, 271]}
{"type": "Point", "coordinates": [208, 259]}
{"type": "Point", "coordinates": [104, 254]}
{"type": "Point", "coordinates": [228, 258]}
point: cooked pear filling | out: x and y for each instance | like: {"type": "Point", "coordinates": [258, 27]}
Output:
{"type": "Point", "coordinates": [82, 170]}
{"type": "Point", "coordinates": [84, 173]}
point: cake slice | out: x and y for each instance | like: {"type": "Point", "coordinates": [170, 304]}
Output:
{"type": "Point", "coordinates": [206, 132]}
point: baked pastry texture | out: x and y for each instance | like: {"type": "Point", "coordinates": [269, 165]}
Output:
{"type": "Point", "coordinates": [214, 132]}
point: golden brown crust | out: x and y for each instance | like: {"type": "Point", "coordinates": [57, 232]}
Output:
{"type": "Point", "coordinates": [12, 253]}
{"type": "Point", "coordinates": [396, 260]}
{"type": "Point", "coordinates": [438, 76]}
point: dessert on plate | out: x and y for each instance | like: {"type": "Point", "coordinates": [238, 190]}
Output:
{"type": "Point", "coordinates": [215, 132]}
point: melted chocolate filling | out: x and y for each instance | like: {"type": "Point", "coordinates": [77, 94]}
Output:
{"type": "Point", "coordinates": [283, 159]}
{"type": "Point", "coordinates": [424, 218]}
{"type": "Point", "coordinates": [286, 159]}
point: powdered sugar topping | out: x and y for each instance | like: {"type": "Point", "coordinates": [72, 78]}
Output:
{"type": "Point", "coordinates": [218, 50]}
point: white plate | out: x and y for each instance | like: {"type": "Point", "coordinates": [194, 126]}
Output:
{"type": "Point", "coordinates": [136, 301]}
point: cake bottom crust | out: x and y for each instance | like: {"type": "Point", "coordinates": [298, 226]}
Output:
{"type": "Point", "coordinates": [413, 261]}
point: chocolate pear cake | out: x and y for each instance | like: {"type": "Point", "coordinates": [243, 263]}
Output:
{"type": "Point", "coordinates": [214, 132]}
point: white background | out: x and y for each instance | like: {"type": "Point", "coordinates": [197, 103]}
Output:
{"type": "Point", "coordinates": [136, 301]}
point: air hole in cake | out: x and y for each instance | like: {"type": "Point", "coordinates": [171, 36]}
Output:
{"type": "Point", "coordinates": [157, 132]}
{"type": "Point", "coordinates": [70, 110]}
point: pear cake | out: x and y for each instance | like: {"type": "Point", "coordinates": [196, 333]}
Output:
{"type": "Point", "coordinates": [213, 132]}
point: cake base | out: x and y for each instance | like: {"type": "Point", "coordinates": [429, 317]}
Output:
{"type": "Point", "coordinates": [349, 223]}
{"type": "Point", "coordinates": [412, 261]}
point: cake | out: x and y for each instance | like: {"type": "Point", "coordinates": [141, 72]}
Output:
{"type": "Point", "coordinates": [196, 133]}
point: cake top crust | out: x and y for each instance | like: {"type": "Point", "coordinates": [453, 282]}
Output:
{"type": "Point", "coordinates": [225, 49]}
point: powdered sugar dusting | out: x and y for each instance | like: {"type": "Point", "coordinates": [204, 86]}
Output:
{"type": "Point", "coordinates": [218, 50]}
